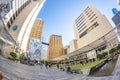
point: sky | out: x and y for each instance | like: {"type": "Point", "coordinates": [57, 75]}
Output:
{"type": "Point", "coordinates": [59, 16]}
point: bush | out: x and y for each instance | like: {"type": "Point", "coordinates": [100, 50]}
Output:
{"type": "Point", "coordinates": [105, 54]}
{"type": "Point", "coordinates": [14, 56]}
{"type": "Point", "coordinates": [118, 47]}
{"type": "Point", "coordinates": [99, 56]}
{"type": "Point", "coordinates": [112, 50]}
{"type": "Point", "coordinates": [102, 56]}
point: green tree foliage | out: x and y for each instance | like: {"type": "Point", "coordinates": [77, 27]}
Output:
{"type": "Point", "coordinates": [112, 50]}
{"type": "Point", "coordinates": [105, 54]}
{"type": "Point", "coordinates": [118, 47]}
{"type": "Point", "coordinates": [102, 56]}
{"type": "Point", "coordinates": [14, 56]}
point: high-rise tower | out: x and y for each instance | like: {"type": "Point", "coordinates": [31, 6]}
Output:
{"type": "Point", "coordinates": [34, 44]}
{"type": "Point", "coordinates": [55, 48]}
{"type": "Point", "coordinates": [90, 26]}
{"type": "Point", "coordinates": [19, 18]}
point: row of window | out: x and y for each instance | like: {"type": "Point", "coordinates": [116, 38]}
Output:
{"type": "Point", "coordinates": [77, 57]}
{"type": "Point", "coordinates": [16, 13]}
{"type": "Point", "coordinates": [86, 12]}
{"type": "Point", "coordinates": [92, 18]}
{"type": "Point", "coordinates": [88, 30]}
{"type": "Point", "coordinates": [82, 23]}
{"type": "Point", "coordinates": [81, 16]}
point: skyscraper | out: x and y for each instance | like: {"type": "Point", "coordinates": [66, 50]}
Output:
{"type": "Point", "coordinates": [55, 48]}
{"type": "Point", "coordinates": [90, 26]}
{"type": "Point", "coordinates": [34, 44]}
{"type": "Point", "coordinates": [19, 18]}
{"type": "Point", "coordinates": [116, 20]}
{"type": "Point", "coordinates": [37, 29]}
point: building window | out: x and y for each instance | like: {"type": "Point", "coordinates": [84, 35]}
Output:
{"type": "Point", "coordinates": [92, 16]}
{"type": "Point", "coordinates": [84, 33]}
{"type": "Point", "coordinates": [88, 30]}
{"type": "Point", "coordinates": [94, 19]}
{"type": "Point", "coordinates": [8, 24]}
{"type": "Point", "coordinates": [14, 16]}
{"type": "Point", "coordinates": [16, 13]}
{"type": "Point", "coordinates": [82, 29]}
{"type": "Point", "coordinates": [11, 20]}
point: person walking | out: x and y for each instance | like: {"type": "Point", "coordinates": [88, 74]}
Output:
{"type": "Point", "coordinates": [68, 69]}
{"type": "Point", "coordinates": [46, 65]}
{"type": "Point", "coordinates": [58, 66]}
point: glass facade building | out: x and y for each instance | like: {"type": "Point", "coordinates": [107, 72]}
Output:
{"type": "Point", "coordinates": [116, 19]}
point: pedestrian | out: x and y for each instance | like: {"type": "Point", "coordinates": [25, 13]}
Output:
{"type": "Point", "coordinates": [46, 65]}
{"type": "Point", "coordinates": [68, 69]}
{"type": "Point", "coordinates": [41, 65]}
{"type": "Point", "coordinates": [58, 66]}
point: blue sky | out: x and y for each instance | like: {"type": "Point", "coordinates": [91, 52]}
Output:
{"type": "Point", "coordinates": [59, 15]}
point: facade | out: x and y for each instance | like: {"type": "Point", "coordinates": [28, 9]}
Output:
{"type": "Point", "coordinates": [66, 49]}
{"type": "Point", "coordinates": [35, 47]}
{"type": "Point", "coordinates": [34, 43]}
{"type": "Point", "coordinates": [94, 34]}
{"type": "Point", "coordinates": [36, 31]}
{"type": "Point", "coordinates": [44, 55]}
{"type": "Point", "coordinates": [90, 26]}
{"type": "Point", "coordinates": [19, 18]}
{"type": "Point", "coordinates": [73, 45]}
{"type": "Point", "coordinates": [55, 48]}
{"type": "Point", "coordinates": [116, 20]}
{"type": "Point", "coordinates": [6, 40]}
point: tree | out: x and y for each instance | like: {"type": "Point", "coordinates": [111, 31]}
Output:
{"type": "Point", "coordinates": [105, 54]}
{"type": "Point", "coordinates": [112, 50]}
{"type": "Point", "coordinates": [14, 56]}
{"type": "Point", "coordinates": [118, 47]}
{"type": "Point", "coordinates": [99, 56]}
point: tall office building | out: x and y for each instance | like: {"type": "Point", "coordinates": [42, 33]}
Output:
{"type": "Point", "coordinates": [19, 17]}
{"type": "Point", "coordinates": [34, 43]}
{"type": "Point", "coordinates": [116, 17]}
{"type": "Point", "coordinates": [116, 20]}
{"type": "Point", "coordinates": [37, 29]}
{"type": "Point", "coordinates": [90, 26]}
{"type": "Point", "coordinates": [55, 48]}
